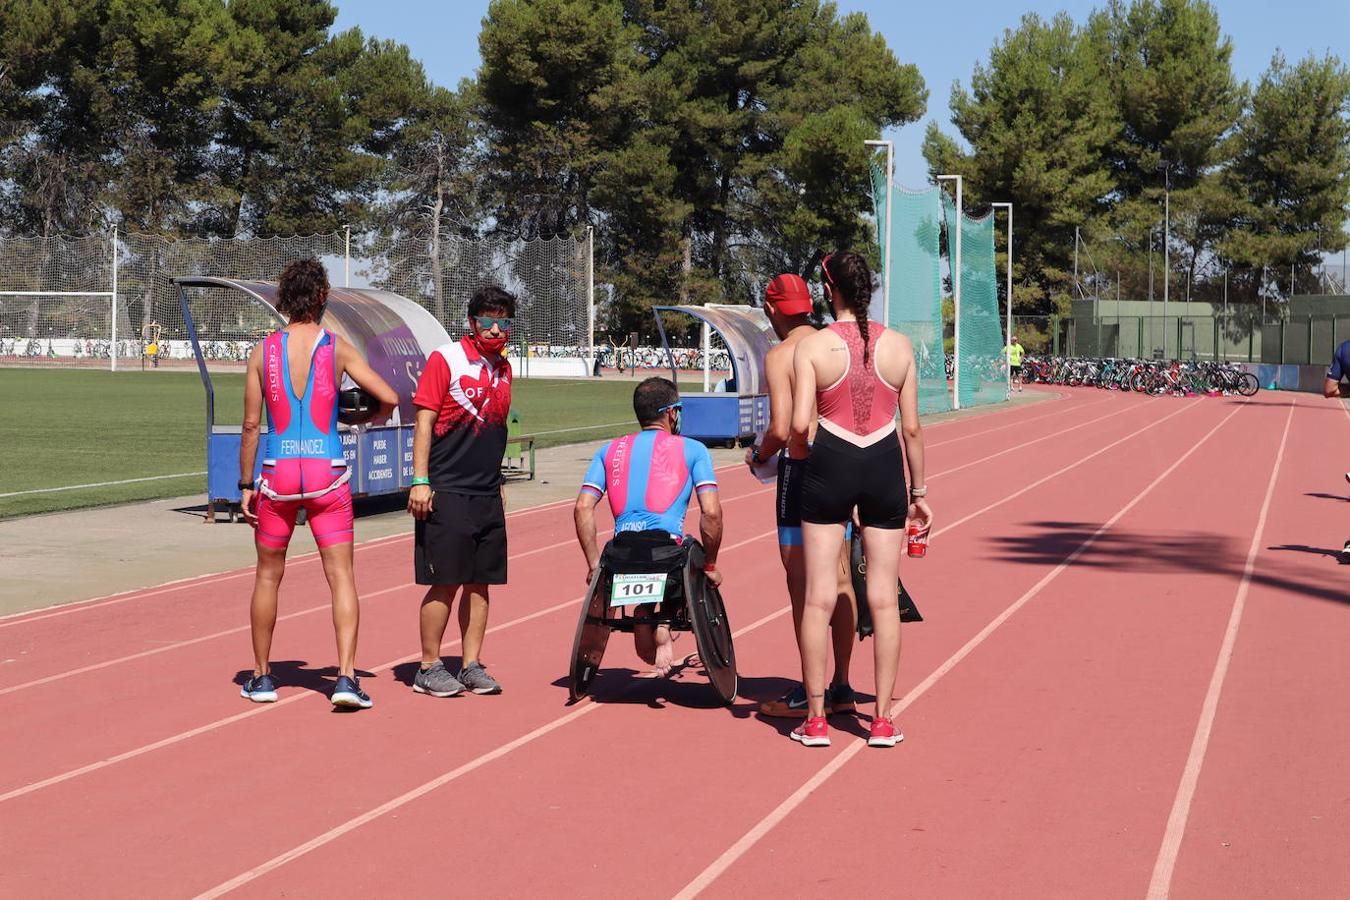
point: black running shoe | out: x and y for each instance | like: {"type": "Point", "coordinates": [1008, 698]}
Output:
{"type": "Point", "coordinates": [791, 705]}
{"type": "Point", "coordinates": [260, 689]}
{"type": "Point", "coordinates": [347, 693]}
{"type": "Point", "coordinates": [841, 699]}
{"type": "Point", "coordinates": [1344, 558]}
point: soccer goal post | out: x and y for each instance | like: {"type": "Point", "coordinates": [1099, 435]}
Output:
{"type": "Point", "coordinates": [63, 329]}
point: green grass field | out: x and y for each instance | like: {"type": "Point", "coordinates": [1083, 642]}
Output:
{"type": "Point", "coordinates": [60, 428]}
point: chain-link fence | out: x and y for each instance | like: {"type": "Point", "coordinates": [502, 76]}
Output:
{"type": "Point", "coordinates": [109, 299]}
{"type": "Point", "coordinates": [1241, 336]}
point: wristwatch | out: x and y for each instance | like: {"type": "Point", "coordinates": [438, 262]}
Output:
{"type": "Point", "coordinates": [245, 485]}
{"type": "Point", "coordinates": [754, 454]}
{"type": "Point", "coordinates": [919, 491]}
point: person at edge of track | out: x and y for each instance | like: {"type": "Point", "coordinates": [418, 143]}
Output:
{"type": "Point", "coordinates": [787, 303]}
{"type": "Point", "coordinates": [1338, 374]}
{"type": "Point", "coordinates": [850, 379]}
{"type": "Point", "coordinates": [649, 477]}
{"type": "Point", "coordinates": [294, 373]}
{"type": "Point", "coordinates": [1014, 353]}
{"type": "Point", "coordinates": [459, 541]}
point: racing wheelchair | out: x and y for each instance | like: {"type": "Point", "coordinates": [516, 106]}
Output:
{"type": "Point", "coordinates": [647, 579]}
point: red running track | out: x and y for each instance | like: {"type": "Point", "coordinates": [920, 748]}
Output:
{"type": "Point", "coordinates": [1130, 683]}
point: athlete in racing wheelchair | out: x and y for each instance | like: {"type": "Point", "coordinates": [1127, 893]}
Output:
{"type": "Point", "coordinates": [652, 580]}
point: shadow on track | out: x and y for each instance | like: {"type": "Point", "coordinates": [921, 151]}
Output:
{"type": "Point", "coordinates": [1180, 552]}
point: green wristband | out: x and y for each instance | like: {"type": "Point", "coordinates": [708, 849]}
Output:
{"type": "Point", "coordinates": [417, 481]}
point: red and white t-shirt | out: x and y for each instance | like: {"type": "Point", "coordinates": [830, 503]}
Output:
{"type": "Point", "coordinates": [472, 396]}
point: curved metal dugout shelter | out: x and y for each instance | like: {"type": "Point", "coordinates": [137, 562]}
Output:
{"type": "Point", "coordinates": [742, 410]}
{"type": "Point", "coordinates": [393, 333]}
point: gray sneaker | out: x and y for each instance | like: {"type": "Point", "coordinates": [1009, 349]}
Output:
{"type": "Point", "coordinates": [476, 679]}
{"type": "Point", "coordinates": [437, 681]}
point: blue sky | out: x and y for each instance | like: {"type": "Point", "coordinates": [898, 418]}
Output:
{"type": "Point", "coordinates": [945, 40]}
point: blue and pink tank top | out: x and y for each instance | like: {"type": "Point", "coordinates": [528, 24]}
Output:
{"type": "Point", "coordinates": [650, 477]}
{"type": "Point", "coordinates": [302, 448]}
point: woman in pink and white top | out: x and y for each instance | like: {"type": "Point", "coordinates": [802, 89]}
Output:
{"type": "Point", "coordinates": [851, 379]}
{"type": "Point", "coordinates": [294, 375]}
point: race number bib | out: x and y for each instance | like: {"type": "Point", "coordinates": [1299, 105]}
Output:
{"type": "Point", "coordinates": [630, 589]}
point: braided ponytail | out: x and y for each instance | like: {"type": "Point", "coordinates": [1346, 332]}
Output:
{"type": "Point", "coordinates": [849, 275]}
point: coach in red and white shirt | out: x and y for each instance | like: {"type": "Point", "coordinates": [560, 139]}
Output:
{"type": "Point", "coordinates": [462, 399]}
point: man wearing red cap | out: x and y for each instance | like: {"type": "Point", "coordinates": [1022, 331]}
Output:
{"type": "Point", "coordinates": [787, 303]}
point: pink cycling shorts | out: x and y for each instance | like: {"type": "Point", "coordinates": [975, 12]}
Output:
{"type": "Point", "coordinates": [330, 516]}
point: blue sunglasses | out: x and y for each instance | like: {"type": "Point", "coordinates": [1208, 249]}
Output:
{"type": "Point", "coordinates": [486, 322]}
{"type": "Point", "coordinates": [676, 405]}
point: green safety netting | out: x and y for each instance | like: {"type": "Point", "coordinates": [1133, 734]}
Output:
{"type": "Point", "coordinates": [916, 282]}
{"type": "Point", "coordinates": [982, 375]}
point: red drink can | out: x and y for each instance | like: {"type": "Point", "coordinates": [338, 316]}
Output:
{"type": "Point", "coordinates": [917, 544]}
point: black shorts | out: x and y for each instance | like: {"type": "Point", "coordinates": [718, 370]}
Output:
{"type": "Point", "coordinates": [788, 504]}
{"type": "Point", "coordinates": [840, 476]}
{"type": "Point", "coordinates": [1017, 370]}
{"type": "Point", "coordinates": [461, 541]}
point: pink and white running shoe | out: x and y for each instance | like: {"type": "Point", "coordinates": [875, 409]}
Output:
{"type": "Point", "coordinates": [812, 733]}
{"type": "Point", "coordinates": [884, 733]}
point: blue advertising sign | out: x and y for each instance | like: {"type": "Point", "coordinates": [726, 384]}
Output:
{"type": "Point", "coordinates": [379, 461]}
{"type": "Point", "coordinates": [405, 457]}
{"type": "Point", "coordinates": [351, 453]}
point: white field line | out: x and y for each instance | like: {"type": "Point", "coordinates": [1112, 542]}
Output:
{"type": "Point", "coordinates": [1164, 866]}
{"type": "Point", "coordinates": [98, 484]}
{"type": "Point", "coordinates": [799, 796]}
{"type": "Point", "coordinates": [578, 428]}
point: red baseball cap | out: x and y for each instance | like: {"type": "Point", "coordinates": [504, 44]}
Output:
{"type": "Point", "coordinates": [789, 294]}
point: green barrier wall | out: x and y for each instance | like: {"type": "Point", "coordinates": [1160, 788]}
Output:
{"type": "Point", "coordinates": [983, 375]}
{"type": "Point", "coordinates": [916, 282]}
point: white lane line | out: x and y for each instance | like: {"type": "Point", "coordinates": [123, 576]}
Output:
{"type": "Point", "coordinates": [188, 642]}
{"type": "Point", "coordinates": [219, 723]}
{"type": "Point", "coordinates": [1024, 444]}
{"type": "Point", "coordinates": [259, 709]}
{"type": "Point", "coordinates": [583, 708]}
{"type": "Point", "coordinates": [63, 609]}
{"type": "Point", "coordinates": [1164, 866]}
{"type": "Point", "coordinates": [254, 710]}
{"type": "Point", "coordinates": [566, 543]}
{"type": "Point", "coordinates": [1055, 474]}
{"type": "Point", "coordinates": [352, 824]}
{"type": "Point", "coordinates": [98, 484]}
{"type": "Point", "coordinates": [794, 800]}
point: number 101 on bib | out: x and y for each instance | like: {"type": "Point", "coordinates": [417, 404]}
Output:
{"type": "Point", "coordinates": [629, 589]}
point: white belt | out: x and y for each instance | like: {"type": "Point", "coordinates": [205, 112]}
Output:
{"type": "Point", "coordinates": [270, 494]}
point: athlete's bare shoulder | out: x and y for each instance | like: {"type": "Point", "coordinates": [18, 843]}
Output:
{"type": "Point", "coordinates": [784, 349]}
{"type": "Point", "coordinates": [900, 342]}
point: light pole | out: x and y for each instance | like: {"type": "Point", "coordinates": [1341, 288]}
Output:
{"type": "Point", "coordinates": [1167, 242]}
{"type": "Point", "coordinates": [956, 297]}
{"type": "Point", "coordinates": [886, 244]}
{"type": "Point", "coordinates": [1008, 313]}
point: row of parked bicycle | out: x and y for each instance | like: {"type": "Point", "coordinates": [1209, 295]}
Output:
{"type": "Point", "coordinates": [1142, 376]}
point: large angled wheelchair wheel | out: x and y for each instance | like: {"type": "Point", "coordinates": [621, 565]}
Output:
{"type": "Point", "coordinates": [712, 632]}
{"type": "Point", "coordinates": [588, 647]}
